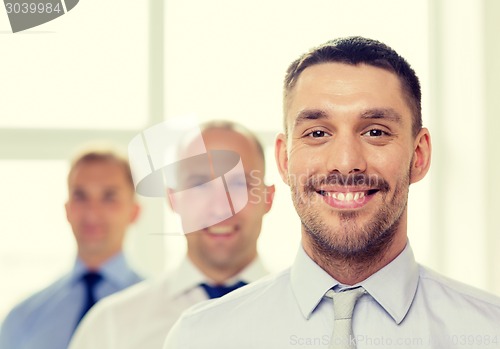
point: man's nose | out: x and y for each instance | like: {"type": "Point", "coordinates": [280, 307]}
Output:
{"type": "Point", "coordinates": [219, 203]}
{"type": "Point", "coordinates": [345, 155]}
{"type": "Point", "coordinates": [93, 209]}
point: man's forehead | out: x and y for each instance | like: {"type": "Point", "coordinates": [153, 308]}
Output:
{"type": "Point", "coordinates": [217, 162]}
{"type": "Point", "coordinates": [344, 78]}
{"type": "Point", "coordinates": [218, 136]}
{"type": "Point", "coordinates": [104, 172]}
{"type": "Point", "coordinates": [339, 85]}
{"type": "Point", "coordinates": [216, 139]}
{"type": "Point", "coordinates": [224, 149]}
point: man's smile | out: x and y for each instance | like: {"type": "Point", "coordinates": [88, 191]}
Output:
{"type": "Point", "coordinates": [221, 231]}
{"type": "Point", "coordinates": [347, 197]}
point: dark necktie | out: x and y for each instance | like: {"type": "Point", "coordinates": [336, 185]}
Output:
{"type": "Point", "coordinates": [90, 280]}
{"type": "Point", "coordinates": [219, 291]}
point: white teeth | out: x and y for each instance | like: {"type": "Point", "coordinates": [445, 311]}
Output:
{"type": "Point", "coordinates": [350, 196]}
{"type": "Point", "coordinates": [220, 230]}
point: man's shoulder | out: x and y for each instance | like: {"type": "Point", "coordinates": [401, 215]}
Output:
{"type": "Point", "coordinates": [446, 289]}
{"type": "Point", "coordinates": [146, 291]}
{"type": "Point", "coordinates": [37, 301]}
{"type": "Point", "coordinates": [142, 312]}
{"type": "Point", "coordinates": [225, 320]}
{"type": "Point", "coordinates": [248, 299]}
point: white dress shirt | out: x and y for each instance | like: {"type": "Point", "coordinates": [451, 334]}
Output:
{"type": "Point", "coordinates": [407, 306]}
{"type": "Point", "coordinates": [141, 316]}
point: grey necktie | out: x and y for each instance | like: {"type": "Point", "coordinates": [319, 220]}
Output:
{"type": "Point", "coordinates": [343, 306]}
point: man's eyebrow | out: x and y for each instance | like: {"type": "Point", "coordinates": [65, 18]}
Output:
{"type": "Point", "coordinates": [198, 177]}
{"type": "Point", "coordinates": [382, 113]}
{"type": "Point", "coordinates": [375, 113]}
{"type": "Point", "coordinates": [306, 115]}
{"type": "Point", "coordinates": [112, 189]}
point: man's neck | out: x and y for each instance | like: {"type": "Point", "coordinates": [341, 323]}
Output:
{"type": "Point", "coordinates": [350, 272]}
{"type": "Point", "coordinates": [95, 261]}
{"type": "Point", "coordinates": [220, 274]}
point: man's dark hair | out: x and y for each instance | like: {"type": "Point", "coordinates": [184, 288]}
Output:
{"type": "Point", "coordinates": [358, 50]}
{"type": "Point", "coordinates": [99, 154]}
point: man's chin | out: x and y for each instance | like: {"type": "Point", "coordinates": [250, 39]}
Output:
{"type": "Point", "coordinates": [93, 248]}
{"type": "Point", "coordinates": [222, 263]}
{"type": "Point", "coordinates": [362, 244]}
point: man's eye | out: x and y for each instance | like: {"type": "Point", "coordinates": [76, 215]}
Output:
{"type": "Point", "coordinates": [79, 196]}
{"type": "Point", "coordinates": [238, 184]}
{"type": "Point", "coordinates": [109, 197]}
{"type": "Point", "coordinates": [317, 134]}
{"type": "Point", "coordinates": [375, 133]}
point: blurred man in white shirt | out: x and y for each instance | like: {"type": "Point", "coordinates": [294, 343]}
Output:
{"type": "Point", "coordinates": [220, 257]}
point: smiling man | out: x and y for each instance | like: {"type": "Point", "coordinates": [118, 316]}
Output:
{"type": "Point", "coordinates": [221, 246]}
{"type": "Point", "coordinates": [352, 146]}
{"type": "Point", "coordinates": [349, 157]}
{"type": "Point", "coordinates": [227, 243]}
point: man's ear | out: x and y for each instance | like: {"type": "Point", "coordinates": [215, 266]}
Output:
{"type": "Point", "coordinates": [421, 156]}
{"type": "Point", "coordinates": [136, 210]}
{"type": "Point", "coordinates": [281, 155]}
{"type": "Point", "coordinates": [269, 197]}
{"type": "Point", "coordinates": [66, 208]}
{"type": "Point", "coordinates": [171, 200]}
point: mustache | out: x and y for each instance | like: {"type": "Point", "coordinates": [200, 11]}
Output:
{"type": "Point", "coordinates": [355, 180]}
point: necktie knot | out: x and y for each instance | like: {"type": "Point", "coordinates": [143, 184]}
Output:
{"type": "Point", "coordinates": [344, 301]}
{"type": "Point", "coordinates": [90, 280]}
{"type": "Point", "coordinates": [343, 307]}
{"type": "Point", "coordinates": [220, 290]}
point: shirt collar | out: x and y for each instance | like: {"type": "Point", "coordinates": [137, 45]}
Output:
{"type": "Point", "coordinates": [187, 276]}
{"type": "Point", "coordinates": [393, 286]}
{"type": "Point", "coordinates": [252, 272]}
{"type": "Point", "coordinates": [309, 282]}
{"type": "Point", "coordinates": [115, 270]}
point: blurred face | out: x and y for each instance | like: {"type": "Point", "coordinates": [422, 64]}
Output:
{"type": "Point", "coordinates": [349, 159]}
{"type": "Point", "coordinates": [100, 207]}
{"type": "Point", "coordinates": [224, 240]}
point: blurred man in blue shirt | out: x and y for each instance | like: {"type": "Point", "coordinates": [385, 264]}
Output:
{"type": "Point", "coordinates": [101, 205]}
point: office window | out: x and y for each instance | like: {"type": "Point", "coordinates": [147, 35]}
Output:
{"type": "Point", "coordinates": [79, 77]}
{"type": "Point", "coordinates": [37, 244]}
{"type": "Point", "coordinates": [84, 70]}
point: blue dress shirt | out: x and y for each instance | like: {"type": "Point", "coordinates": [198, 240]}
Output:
{"type": "Point", "coordinates": [406, 306]}
{"type": "Point", "coordinates": [47, 319]}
